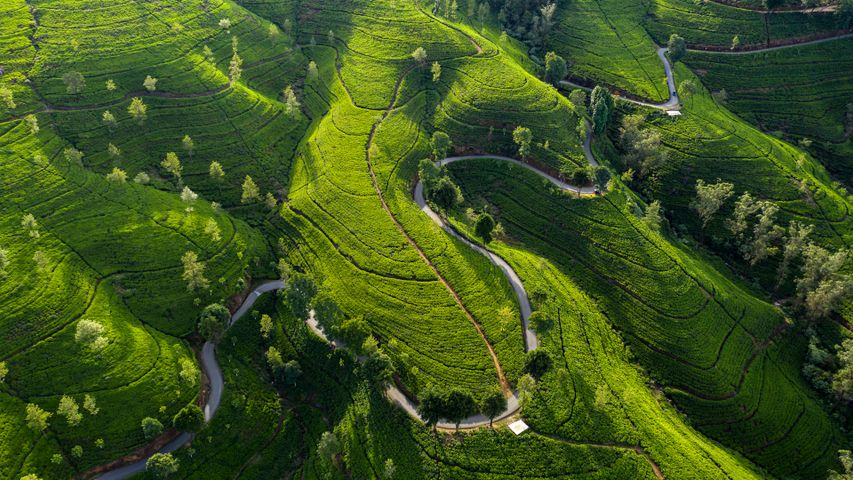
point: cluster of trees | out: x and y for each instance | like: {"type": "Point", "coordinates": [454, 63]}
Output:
{"type": "Point", "coordinates": [752, 224]}
{"type": "Point", "coordinates": [528, 20]}
{"type": "Point", "coordinates": [68, 408]}
{"type": "Point", "coordinates": [641, 147]}
{"type": "Point", "coordinates": [439, 188]}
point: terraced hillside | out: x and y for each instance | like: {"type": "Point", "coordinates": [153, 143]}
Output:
{"type": "Point", "coordinates": [812, 105]}
{"type": "Point", "coordinates": [161, 156]}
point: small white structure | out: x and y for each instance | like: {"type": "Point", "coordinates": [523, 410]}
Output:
{"type": "Point", "coordinates": [518, 427]}
{"type": "Point", "coordinates": [673, 113]}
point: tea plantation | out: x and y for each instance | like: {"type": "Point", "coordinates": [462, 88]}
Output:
{"type": "Point", "coordinates": [664, 293]}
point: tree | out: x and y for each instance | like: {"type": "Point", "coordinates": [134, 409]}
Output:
{"type": "Point", "coordinates": [378, 368]}
{"type": "Point", "coordinates": [225, 23]}
{"type": "Point", "coordinates": [745, 207]}
{"type": "Point", "coordinates": [765, 234]}
{"type": "Point", "coordinates": [109, 119]}
{"type": "Point", "coordinates": [653, 216]}
{"type": "Point", "coordinates": [844, 457]}
{"type": "Point", "coordinates": [441, 144]}
{"type": "Point", "coordinates": [41, 261]}
{"type": "Point", "coordinates": [710, 197]}
{"type": "Point", "coordinates": [291, 103]}
{"type": "Point", "coordinates": [291, 372]}
{"type": "Point", "coordinates": [266, 326]}
{"type": "Point", "coordinates": [235, 68]}
{"type": "Point", "coordinates": [193, 272]}
{"type": "Point", "coordinates": [189, 198]}
{"type": "Point", "coordinates": [431, 407]}
{"type": "Point", "coordinates": [151, 428]}
{"type": "Point", "coordinates": [493, 404]}
{"type": "Point", "coordinates": [77, 451]}
{"type": "Point", "coordinates": [299, 293]}
{"type": "Point", "coordinates": [117, 176]}
{"type": "Point", "coordinates": [270, 201]}
{"type": "Point", "coordinates": [458, 406]}
{"type": "Point", "coordinates": [329, 446]}
{"type": "Point", "coordinates": [484, 227]}
{"type": "Point", "coordinates": [211, 229]}
{"type": "Point", "coordinates": [687, 89]}
{"type": "Point", "coordinates": [37, 418]}
{"type": "Point", "coordinates": [526, 388]}
{"type": "Point", "coordinates": [677, 47]}
{"type": "Point", "coordinates": [600, 177]}
{"type": "Point", "coordinates": [189, 145]}
{"type": "Point", "coordinates": [446, 194]}
{"type": "Point", "coordinates": [4, 263]}
{"type": "Point", "coordinates": [795, 243]}
{"type": "Point", "coordinates": [141, 178]}
{"type": "Point", "coordinates": [523, 137]}
{"type": "Point", "coordinates": [74, 82]}
{"type": "Point", "coordinates": [436, 71]}
{"type": "Point", "coordinates": [537, 363]}
{"type": "Point", "coordinates": [138, 110]}
{"type": "Point", "coordinates": [842, 380]}
{"type": "Point", "coordinates": [162, 465]}
{"type": "Point", "coordinates": [90, 334]}
{"type": "Point", "coordinates": [251, 193]}
{"type": "Point", "coordinates": [69, 409]}
{"type": "Point", "coordinates": [113, 151]}
{"type": "Point", "coordinates": [313, 71]}
{"type": "Point", "coordinates": [821, 284]}
{"type": "Point", "coordinates": [213, 321]}
{"type": "Point", "coordinates": [578, 99]}
{"type": "Point", "coordinates": [189, 419]}
{"type": "Point", "coordinates": [735, 42]}
{"type": "Point", "coordinates": [110, 85]}
{"type": "Point", "coordinates": [189, 373]}
{"type": "Point", "coordinates": [31, 226]}
{"type": "Point", "coordinates": [642, 147]}
{"type": "Point", "coordinates": [216, 171]}
{"type": "Point", "coordinates": [389, 470]}
{"type": "Point", "coordinates": [420, 56]}
{"type": "Point", "coordinates": [72, 155]}
{"type": "Point", "coordinates": [556, 68]}
{"type": "Point", "coordinates": [483, 12]}
{"type": "Point", "coordinates": [33, 123]}
{"type": "Point", "coordinates": [327, 312]}
{"type": "Point", "coordinates": [172, 165]}
{"type": "Point", "coordinates": [273, 31]}
{"type": "Point", "coordinates": [31, 476]}
{"type": "Point", "coordinates": [274, 361]}
{"type": "Point", "coordinates": [90, 405]}
{"type": "Point", "coordinates": [601, 109]}
{"type": "Point", "coordinates": [7, 97]}
{"type": "Point", "coordinates": [150, 83]}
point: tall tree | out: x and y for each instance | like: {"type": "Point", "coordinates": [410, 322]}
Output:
{"type": "Point", "coordinates": [151, 428]}
{"type": "Point", "coordinates": [493, 404]}
{"type": "Point", "coordinates": [484, 227]}
{"type": "Point", "coordinates": [431, 407]}
{"type": "Point", "coordinates": [193, 272]}
{"type": "Point", "coordinates": [677, 47]}
{"type": "Point", "coordinates": [523, 137]}
{"type": "Point", "coordinates": [601, 109]}
{"type": "Point", "coordinates": [235, 68]}
{"type": "Point", "coordinates": [37, 418]}
{"type": "Point", "coordinates": [300, 292]}
{"type": "Point", "coordinates": [162, 465]}
{"type": "Point", "coordinates": [138, 110]}
{"type": "Point", "coordinates": [795, 242]}
{"type": "Point", "coordinates": [189, 419]}
{"type": "Point", "coordinates": [420, 56]}
{"type": "Point", "coordinates": [653, 216]}
{"type": "Point", "coordinates": [213, 322]}
{"type": "Point", "coordinates": [441, 144]}
{"type": "Point", "coordinates": [822, 284]}
{"type": "Point", "coordinates": [172, 164]}
{"type": "Point", "coordinates": [458, 406]}
{"type": "Point", "coordinates": [150, 83]}
{"type": "Point", "coordinates": [556, 68]}
{"type": "Point", "coordinates": [90, 334]}
{"type": "Point", "coordinates": [69, 409]}
{"type": "Point", "coordinates": [710, 198]}
{"type": "Point", "coordinates": [291, 103]}
{"type": "Point", "coordinates": [251, 192]}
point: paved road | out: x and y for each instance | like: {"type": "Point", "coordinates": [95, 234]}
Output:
{"type": "Point", "coordinates": [671, 104]}
{"type": "Point", "coordinates": [214, 374]}
{"type": "Point", "coordinates": [777, 47]}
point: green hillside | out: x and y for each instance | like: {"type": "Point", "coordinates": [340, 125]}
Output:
{"type": "Point", "coordinates": [164, 163]}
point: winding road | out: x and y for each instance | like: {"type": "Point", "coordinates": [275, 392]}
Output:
{"type": "Point", "coordinates": [214, 374]}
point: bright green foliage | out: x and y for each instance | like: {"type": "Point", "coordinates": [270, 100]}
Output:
{"type": "Point", "coordinates": [162, 465]}
{"type": "Point", "coordinates": [522, 136]}
{"type": "Point", "coordinates": [600, 109]}
{"type": "Point", "coordinates": [441, 144]}
{"type": "Point", "coordinates": [556, 68]}
{"type": "Point", "coordinates": [37, 418]}
{"type": "Point", "coordinates": [69, 409]}
{"type": "Point", "coordinates": [251, 193]}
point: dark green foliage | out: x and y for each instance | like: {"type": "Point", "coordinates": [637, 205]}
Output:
{"type": "Point", "coordinates": [458, 405]}
{"type": "Point", "coordinates": [301, 290]}
{"type": "Point", "coordinates": [556, 68]}
{"type": "Point", "coordinates": [377, 368]}
{"type": "Point", "coordinates": [541, 322]}
{"type": "Point", "coordinates": [677, 47]}
{"type": "Point", "coordinates": [446, 194]}
{"type": "Point", "coordinates": [484, 227]}
{"type": "Point", "coordinates": [431, 407]}
{"type": "Point", "coordinates": [440, 144]}
{"type": "Point", "coordinates": [537, 363]}
{"type": "Point", "coordinates": [189, 419]}
{"type": "Point", "coordinates": [493, 404]}
{"type": "Point", "coordinates": [213, 321]}
{"type": "Point", "coordinates": [291, 372]}
{"type": "Point", "coordinates": [601, 109]}
{"type": "Point", "coordinates": [151, 428]}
